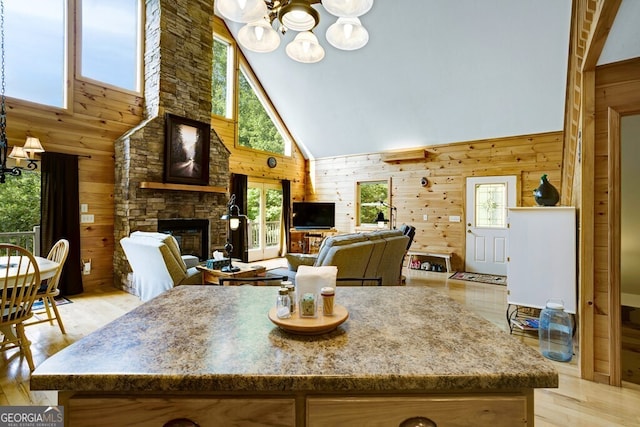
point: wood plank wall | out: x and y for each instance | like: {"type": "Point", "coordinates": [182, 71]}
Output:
{"type": "Point", "coordinates": [617, 87]}
{"type": "Point", "coordinates": [98, 115]}
{"type": "Point", "coordinates": [446, 167]}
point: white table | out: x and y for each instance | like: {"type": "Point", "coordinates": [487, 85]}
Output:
{"type": "Point", "coordinates": [47, 267]}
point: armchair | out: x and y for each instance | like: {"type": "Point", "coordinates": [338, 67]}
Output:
{"type": "Point", "coordinates": [157, 264]}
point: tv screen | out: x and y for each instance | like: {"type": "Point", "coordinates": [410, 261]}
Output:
{"type": "Point", "coordinates": [312, 215]}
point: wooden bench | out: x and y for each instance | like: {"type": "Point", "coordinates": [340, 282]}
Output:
{"type": "Point", "coordinates": [445, 256]}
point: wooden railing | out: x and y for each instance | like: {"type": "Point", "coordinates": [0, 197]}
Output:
{"type": "Point", "coordinates": [273, 234]}
{"type": "Point", "coordinates": [29, 240]}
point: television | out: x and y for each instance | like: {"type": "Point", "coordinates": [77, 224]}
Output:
{"type": "Point", "coordinates": [314, 215]}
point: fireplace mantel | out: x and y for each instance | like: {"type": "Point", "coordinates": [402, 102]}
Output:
{"type": "Point", "coordinates": [182, 187]}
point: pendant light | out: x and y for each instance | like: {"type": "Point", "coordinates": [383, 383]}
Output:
{"type": "Point", "coordinates": [261, 35]}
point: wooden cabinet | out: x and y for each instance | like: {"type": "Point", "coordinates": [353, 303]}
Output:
{"type": "Point", "coordinates": [455, 410]}
{"type": "Point", "coordinates": [491, 410]}
{"type": "Point", "coordinates": [542, 256]}
{"type": "Point", "coordinates": [307, 241]}
{"type": "Point", "coordinates": [154, 411]}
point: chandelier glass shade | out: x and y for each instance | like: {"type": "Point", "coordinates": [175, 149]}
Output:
{"type": "Point", "coordinates": [347, 34]}
{"type": "Point", "coordinates": [305, 48]}
{"type": "Point", "coordinates": [261, 16]}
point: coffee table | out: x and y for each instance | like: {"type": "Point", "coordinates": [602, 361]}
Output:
{"type": "Point", "coordinates": [211, 276]}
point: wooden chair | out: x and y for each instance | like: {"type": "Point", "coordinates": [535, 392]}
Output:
{"type": "Point", "coordinates": [49, 288]}
{"type": "Point", "coordinates": [19, 281]}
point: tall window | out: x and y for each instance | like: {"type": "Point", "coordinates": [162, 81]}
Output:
{"type": "Point", "coordinates": [35, 50]}
{"type": "Point", "coordinates": [256, 126]}
{"type": "Point", "coordinates": [370, 196]}
{"type": "Point", "coordinates": [222, 87]}
{"type": "Point", "coordinates": [111, 42]}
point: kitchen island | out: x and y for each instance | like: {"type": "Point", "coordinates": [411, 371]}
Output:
{"type": "Point", "coordinates": [210, 354]}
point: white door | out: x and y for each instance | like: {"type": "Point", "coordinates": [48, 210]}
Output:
{"type": "Point", "coordinates": [488, 198]}
{"type": "Point", "coordinates": [264, 205]}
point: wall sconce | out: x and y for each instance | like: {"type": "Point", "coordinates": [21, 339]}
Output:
{"type": "Point", "coordinates": [26, 152]}
{"type": "Point", "coordinates": [233, 218]}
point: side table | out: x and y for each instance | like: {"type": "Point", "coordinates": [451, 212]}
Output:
{"type": "Point", "coordinates": [210, 276]}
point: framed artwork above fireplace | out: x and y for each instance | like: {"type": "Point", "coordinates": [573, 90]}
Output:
{"type": "Point", "coordinates": [186, 151]}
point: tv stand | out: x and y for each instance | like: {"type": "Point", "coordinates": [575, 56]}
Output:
{"type": "Point", "coordinates": [308, 240]}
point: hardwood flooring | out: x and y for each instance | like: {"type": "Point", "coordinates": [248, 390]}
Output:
{"type": "Point", "coordinates": [575, 402]}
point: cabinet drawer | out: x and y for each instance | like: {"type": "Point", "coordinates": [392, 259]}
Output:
{"type": "Point", "coordinates": [156, 411]}
{"type": "Point", "coordinates": [445, 411]}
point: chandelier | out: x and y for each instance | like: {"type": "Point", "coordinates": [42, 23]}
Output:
{"type": "Point", "coordinates": [31, 146]}
{"type": "Point", "coordinates": [259, 34]}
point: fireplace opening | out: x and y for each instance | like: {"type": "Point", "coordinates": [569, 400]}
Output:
{"type": "Point", "coordinates": [192, 235]}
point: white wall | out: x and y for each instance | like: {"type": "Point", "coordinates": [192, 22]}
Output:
{"type": "Point", "coordinates": [623, 41]}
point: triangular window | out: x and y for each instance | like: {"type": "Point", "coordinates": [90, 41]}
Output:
{"type": "Point", "coordinates": [258, 126]}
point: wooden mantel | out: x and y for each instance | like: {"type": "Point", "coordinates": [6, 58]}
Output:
{"type": "Point", "coordinates": [182, 187]}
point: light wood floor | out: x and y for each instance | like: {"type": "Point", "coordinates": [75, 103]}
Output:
{"type": "Point", "coordinates": [575, 403]}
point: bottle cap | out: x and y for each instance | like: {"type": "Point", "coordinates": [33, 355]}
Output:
{"type": "Point", "coordinates": [283, 291]}
{"type": "Point", "coordinates": [327, 291]}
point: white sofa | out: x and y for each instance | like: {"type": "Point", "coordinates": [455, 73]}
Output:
{"type": "Point", "coordinates": [157, 264]}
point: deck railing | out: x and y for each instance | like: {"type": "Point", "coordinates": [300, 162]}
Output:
{"type": "Point", "coordinates": [30, 240]}
{"type": "Point", "coordinates": [273, 234]}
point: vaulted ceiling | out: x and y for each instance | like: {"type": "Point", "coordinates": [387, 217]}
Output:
{"type": "Point", "coordinates": [433, 72]}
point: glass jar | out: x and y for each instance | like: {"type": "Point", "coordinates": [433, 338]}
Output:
{"type": "Point", "coordinates": [283, 304]}
{"type": "Point", "coordinates": [555, 332]}
{"type": "Point", "coordinates": [328, 295]}
{"type": "Point", "coordinates": [292, 294]}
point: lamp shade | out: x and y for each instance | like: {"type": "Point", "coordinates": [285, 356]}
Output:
{"type": "Point", "coordinates": [347, 34]}
{"type": "Point", "coordinates": [347, 8]}
{"type": "Point", "coordinates": [18, 153]}
{"type": "Point", "coordinates": [242, 10]}
{"type": "Point", "coordinates": [298, 15]}
{"type": "Point", "coordinates": [305, 48]}
{"type": "Point", "coordinates": [259, 36]}
{"type": "Point", "coordinates": [32, 145]}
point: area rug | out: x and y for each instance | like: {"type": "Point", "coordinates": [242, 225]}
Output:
{"type": "Point", "coordinates": [493, 279]}
{"type": "Point", "coordinates": [39, 305]}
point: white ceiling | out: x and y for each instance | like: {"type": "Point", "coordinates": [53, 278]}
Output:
{"type": "Point", "coordinates": [433, 72]}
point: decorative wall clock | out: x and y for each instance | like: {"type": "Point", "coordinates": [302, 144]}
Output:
{"type": "Point", "coordinates": [272, 162]}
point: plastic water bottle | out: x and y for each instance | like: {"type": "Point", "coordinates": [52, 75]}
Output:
{"type": "Point", "coordinates": [555, 332]}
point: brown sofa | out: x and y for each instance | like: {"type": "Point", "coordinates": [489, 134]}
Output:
{"type": "Point", "coordinates": [360, 255]}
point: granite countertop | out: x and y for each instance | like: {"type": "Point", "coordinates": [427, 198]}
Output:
{"type": "Point", "coordinates": [210, 338]}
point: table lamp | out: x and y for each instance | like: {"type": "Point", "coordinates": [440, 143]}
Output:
{"type": "Point", "coordinates": [233, 218]}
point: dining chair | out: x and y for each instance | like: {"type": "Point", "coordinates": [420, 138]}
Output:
{"type": "Point", "coordinates": [48, 289]}
{"type": "Point", "coordinates": [19, 281]}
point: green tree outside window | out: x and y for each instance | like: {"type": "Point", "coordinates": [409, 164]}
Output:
{"type": "Point", "coordinates": [20, 207]}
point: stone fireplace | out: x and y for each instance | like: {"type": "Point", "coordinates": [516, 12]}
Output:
{"type": "Point", "coordinates": [177, 72]}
